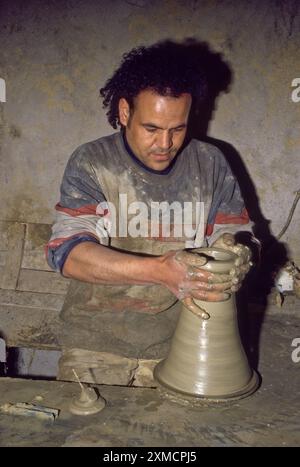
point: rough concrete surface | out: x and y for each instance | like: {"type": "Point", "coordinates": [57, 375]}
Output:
{"type": "Point", "coordinates": [147, 417]}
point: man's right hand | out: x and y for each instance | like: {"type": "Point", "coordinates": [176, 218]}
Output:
{"type": "Point", "coordinates": [185, 278]}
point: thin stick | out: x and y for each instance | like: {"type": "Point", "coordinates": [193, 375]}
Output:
{"type": "Point", "coordinates": [76, 376]}
{"type": "Point", "coordinates": [290, 215]}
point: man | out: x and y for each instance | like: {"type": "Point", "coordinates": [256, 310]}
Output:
{"type": "Point", "coordinates": [139, 264]}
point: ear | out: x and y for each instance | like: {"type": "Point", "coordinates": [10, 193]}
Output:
{"type": "Point", "coordinates": [124, 111]}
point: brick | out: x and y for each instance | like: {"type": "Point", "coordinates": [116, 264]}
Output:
{"type": "Point", "coordinates": [15, 242]}
{"type": "Point", "coordinates": [42, 281]}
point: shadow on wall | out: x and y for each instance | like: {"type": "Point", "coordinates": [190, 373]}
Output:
{"type": "Point", "coordinates": [219, 79]}
{"type": "Point", "coordinates": [273, 253]}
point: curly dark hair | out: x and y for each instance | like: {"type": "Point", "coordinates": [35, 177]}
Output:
{"type": "Point", "coordinates": [167, 68]}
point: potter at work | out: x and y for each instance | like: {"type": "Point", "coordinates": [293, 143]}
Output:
{"type": "Point", "coordinates": [149, 227]}
{"type": "Point", "coordinates": [135, 204]}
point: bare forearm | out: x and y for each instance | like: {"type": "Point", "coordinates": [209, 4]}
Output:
{"type": "Point", "coordinates": [99, 264]}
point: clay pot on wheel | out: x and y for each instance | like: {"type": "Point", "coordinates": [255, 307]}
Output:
{"type": "Point", "coordinates": [207, 358]}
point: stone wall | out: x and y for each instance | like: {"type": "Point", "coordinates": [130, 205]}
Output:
{"type": "Point", "coordinates": [55, 55]}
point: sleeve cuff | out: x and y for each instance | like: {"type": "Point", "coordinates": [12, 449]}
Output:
{"type": "Point", "coordinates": [57, 257]}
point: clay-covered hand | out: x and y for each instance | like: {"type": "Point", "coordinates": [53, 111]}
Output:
{"type": "Point", "coordinates": [185, 278]}
{"type": "Point", "coordinates": [243, 262]}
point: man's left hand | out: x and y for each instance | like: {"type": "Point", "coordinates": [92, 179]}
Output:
{"type": "Point", "coordinates": [243, 262]}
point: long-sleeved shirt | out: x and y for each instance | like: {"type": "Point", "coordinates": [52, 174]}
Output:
{"type": "Point", "coordinates": [106, 195]}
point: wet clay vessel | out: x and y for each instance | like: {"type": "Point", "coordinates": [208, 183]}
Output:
{"type": "Point", "coordinates": [206, 358]}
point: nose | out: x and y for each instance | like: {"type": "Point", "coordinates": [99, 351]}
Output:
{"type": "Point", "coordinates": [165, 140]}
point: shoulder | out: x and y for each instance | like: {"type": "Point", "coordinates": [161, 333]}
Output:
{"type": "Point", "coordinates": [93, 151]}
{"type": "Point", "coordinates": [206, 153]}
{"type": "Point", "coordinates": [205, 150]}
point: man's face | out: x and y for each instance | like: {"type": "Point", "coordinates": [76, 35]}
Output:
{"type": "Point", "coordinates": [156, 126]}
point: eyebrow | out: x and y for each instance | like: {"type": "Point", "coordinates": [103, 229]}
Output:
{"type": "Point", "coordinates": [152, 125]}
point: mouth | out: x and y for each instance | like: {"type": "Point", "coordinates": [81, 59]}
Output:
{"type": "Point", "coordinates": [161, 157]}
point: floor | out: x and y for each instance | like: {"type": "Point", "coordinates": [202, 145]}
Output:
{"type": "Point", "coordinates": [148, 417]}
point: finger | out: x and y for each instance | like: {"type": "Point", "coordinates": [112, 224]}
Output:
{"type": "Point", "coordinates": [240, 272]}
{"type": "Point", "coordinates": [207, 276]}
{"type": "Point", "coordinates": [245, 268]}
{"type": "Point", "coordinates": [196, 274]}
{"type": "Point", "coordinates": [243, 251]}
{"type": "Point", "coordinates": [237, 272]}
{"type": "Point", "coordinates": [236, 280]}
{"type": "Point", "coordinates": [191, 259]}
{"type": "Point", "coordinates": [228, 239]}
{"type": "Point", "coordinates": [195, 260]}
{"type": "Point", "coordinates": [239, 261]}
{"type": "Point", "coordinates": [247, 253]}
{"type": "Point", "coordinates": [196, 310]}
{"type": "Point", "coordinates": [210, 296]}
{"type": "Point", "coordinates": [219, 278]}
{"type": "Point", "coordinates": [218, 287]}
{"type": "Point", "coordinates": [211, 278]}
{"type": "Point", "coordinates": [245, 259]}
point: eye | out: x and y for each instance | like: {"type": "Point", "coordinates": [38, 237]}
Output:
{"type": "Point", "coordinates": [178, 130]}
{"type": "Point", "coordinates": [151, 130]}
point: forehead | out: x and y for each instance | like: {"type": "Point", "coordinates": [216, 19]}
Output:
{"type": "Point", "coordinates": [149, 104]}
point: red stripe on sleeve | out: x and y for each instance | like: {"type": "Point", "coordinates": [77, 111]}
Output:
{"type": "Point", "coordinates": [87, 209]}
{"type": "Point", "coordinates": [222, 218]}
{"type": "Point", "coordinates": [59, 241]}
{"type": "Point", "coordinates": [209, 229]}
